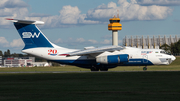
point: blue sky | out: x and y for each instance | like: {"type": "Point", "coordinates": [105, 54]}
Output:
{"type": "Point", "coordinates": [81, 23]}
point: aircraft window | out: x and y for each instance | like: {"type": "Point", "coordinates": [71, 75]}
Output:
{"type": "Point", "coordinates": [163, 52]}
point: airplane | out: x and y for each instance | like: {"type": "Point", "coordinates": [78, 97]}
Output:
{"type": "Point", "coordinates": [95, 59]}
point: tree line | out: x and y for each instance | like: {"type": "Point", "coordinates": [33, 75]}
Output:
{"type": "Point", "coordinates": [173, 48]}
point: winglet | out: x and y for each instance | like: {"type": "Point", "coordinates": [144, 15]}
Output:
{"type": "Point", "coordinates": [26, 21]}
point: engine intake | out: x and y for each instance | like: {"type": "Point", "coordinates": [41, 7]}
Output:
{"type": "Point", "coordinates": [113, 59]}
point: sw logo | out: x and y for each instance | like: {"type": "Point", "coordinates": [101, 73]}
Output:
{"type": "Point", "coordinates": [29, 35]}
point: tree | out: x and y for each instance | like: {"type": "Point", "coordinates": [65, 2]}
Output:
{"type": "Point", "coordinates": [1, 54]}
{"type": "Point", "coordinates": [166, 47]}
{"type": "Point", "coordinates": [8, 52]}
{"type": "Point", "coordinates": [175, 48]}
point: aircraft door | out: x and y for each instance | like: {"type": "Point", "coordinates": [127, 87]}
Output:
{"type": "Point", "coordinates": [145, 59]}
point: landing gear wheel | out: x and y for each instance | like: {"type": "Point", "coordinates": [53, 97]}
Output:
{"type": "Point", "coordinates": [94, 68]}
{"type": "Point", "coordinates": [144, 68]}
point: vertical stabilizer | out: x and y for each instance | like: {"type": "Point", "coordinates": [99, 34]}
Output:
{"type": "Point", "coordinates": [30, 34]}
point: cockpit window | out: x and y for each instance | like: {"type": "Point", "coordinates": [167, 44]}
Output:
{"type": "Point", "coordinates": [164, 52]}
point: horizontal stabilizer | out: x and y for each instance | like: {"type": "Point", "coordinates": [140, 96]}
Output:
{"type": "Point", "coordinates": [26, 21]}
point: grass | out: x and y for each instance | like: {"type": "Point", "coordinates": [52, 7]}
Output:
{"type": "Point", "coordinates": [102, 86]}
{"type": "Point", "coordinates": [96, 86]}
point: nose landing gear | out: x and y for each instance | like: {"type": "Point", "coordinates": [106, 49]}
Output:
{"type": "Point", "coordinates": [145, 68]}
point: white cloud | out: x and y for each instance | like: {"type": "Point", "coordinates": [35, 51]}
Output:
{"type": "Point", "coordinates": [80, 40]}
{"type": "Point", "coordinates": [111, 5]}
{"type": "Point", "coordinates": [12, 4]}
{"type": "Point", "coordinates": [106, 41]}
{"type": "Point", "coordinates": [12, 9]}
{"type": "Point", "coordinates": [93, 41]}
{"type": "Point", "coordinates": [159, 2]}
{"type": "Point", "coordinates": [71, 16]}
{"type": "Point", "coordinates": [3, 42]}
{"type": "Point", "coordinates": [17, 43]}
{"type": "Point", "coordinates": [129, 11]}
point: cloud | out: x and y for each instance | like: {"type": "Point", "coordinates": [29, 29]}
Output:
{"type": "Point", "coordinates": [3, 42]}
{"type": "Point", "coordinates": [12, 9]}
{"type": "Point", "coordinates": [129, 11]}
{"type": "Point", "coordinates": [70, 16]}
{"type": "Point", "coordinates": [106, 41]}
{"type": "Point", "coordinates": [38, 15]}
{"type": "Point", "coordinates": [82, 41]}
{"type": "Point", "coordinates": [17, 43]}
{"type": "Point", "coordinates": [159, 2]}
{"type": "Point", "coordinates": [72, 41]}
{"type": "Point", "coordinates": [13, 4]}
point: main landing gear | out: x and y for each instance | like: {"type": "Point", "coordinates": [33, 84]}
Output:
{"type": "Point", "coordinates": [93, 68]}
{"type": "Point", "coordinates": [145, 68]}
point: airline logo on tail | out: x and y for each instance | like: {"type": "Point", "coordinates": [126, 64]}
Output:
{"type": "Point", "coordinates": [30, 35]}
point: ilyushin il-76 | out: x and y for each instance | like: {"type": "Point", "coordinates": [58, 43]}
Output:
{"type": "Point", "coordinates": [101, 58]}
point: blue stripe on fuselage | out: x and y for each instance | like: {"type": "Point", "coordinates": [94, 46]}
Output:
{"type": "Point", "coordinates": [132, 62]}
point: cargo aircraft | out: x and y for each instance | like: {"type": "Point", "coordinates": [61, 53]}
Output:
{"type": "Point", "coordinates": [102, 58]}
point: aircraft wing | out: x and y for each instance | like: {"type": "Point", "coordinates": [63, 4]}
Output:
{"type": "Point", "coordinates": [95, 50]}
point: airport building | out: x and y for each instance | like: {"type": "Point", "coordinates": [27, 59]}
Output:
{"type": "Point", "coordinates": [22, 62]}
{"type": "Point", "coordinates": [149, 42]}
{"type": "Point", "coordinates": [18, 62]}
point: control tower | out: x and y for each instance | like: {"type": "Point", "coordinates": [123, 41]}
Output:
{"type": "Point", "coordinates": [114, 26]}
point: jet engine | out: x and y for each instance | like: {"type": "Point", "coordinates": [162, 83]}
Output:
{"type": "Point", "coordinates": [113, 59]}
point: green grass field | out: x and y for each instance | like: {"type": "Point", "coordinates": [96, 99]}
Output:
{"type": "Point", "coordinates": [91, 86]}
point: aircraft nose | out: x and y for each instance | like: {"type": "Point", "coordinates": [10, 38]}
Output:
{"type": "Point", "coordinates": [173, 58]}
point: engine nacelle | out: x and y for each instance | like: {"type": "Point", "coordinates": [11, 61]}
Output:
{"type": "Point", "coordinates": [113, 59]}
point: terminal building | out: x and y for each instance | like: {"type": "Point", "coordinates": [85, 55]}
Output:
{"type": "Point", "coordinates": [21, 62]}
{"type": "Point", "coordinates": [149, 42]}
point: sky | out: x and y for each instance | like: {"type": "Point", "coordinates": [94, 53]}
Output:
{"type": "Point", "coordinates": [81, 23]}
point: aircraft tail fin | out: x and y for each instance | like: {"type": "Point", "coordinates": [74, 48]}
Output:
{"type": "Point", "coordinates": [30, 33]}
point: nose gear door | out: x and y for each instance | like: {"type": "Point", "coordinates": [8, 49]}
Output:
{"type": "Point", "coordinates": [145, 59]}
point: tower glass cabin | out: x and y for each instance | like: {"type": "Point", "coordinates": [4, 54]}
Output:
{"type": "Point", "coordinates": [114, 24]}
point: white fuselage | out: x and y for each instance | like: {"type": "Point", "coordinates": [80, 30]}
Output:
{"type": "Point", "coordinates": [136, 56]}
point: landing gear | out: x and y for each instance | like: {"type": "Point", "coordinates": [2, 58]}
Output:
{"type": "Point", "coordinates": [145, 68]}
{"type": "Point", "coordinates": [93, 68]}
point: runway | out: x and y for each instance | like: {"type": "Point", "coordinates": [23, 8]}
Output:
{"type": "Point", "coordinates": [36, 72]}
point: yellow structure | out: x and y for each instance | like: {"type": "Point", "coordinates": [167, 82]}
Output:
{"type": "Point", "coordinates": [114, 26]}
